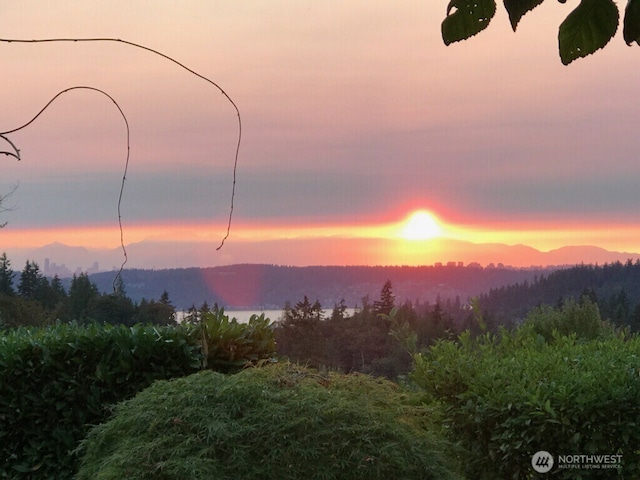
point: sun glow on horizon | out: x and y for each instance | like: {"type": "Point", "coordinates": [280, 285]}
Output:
{"type": "Point", "coordinates": [421, 225]}
{"type": "Point", "coordinates": [420, 238]}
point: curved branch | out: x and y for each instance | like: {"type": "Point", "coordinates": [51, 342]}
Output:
{"type": "Point", "coordinates": [16, 151]}
{"type": "Point", "coordinates": [181, 65]}
{"type": "Point", "coordinates": [126, 164]}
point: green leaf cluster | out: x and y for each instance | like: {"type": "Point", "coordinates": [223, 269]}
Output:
{"type": "Point", "coordinates": [588, 28]}
{"type": "Point", "coordinates": [509, 395]}
{"type": "Point", "coordinates": [278, 421]}
{"type": "Point", "coordinates": [229, 345]}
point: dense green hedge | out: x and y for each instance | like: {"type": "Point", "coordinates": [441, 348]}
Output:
{"type": "Point", "coordinates": [277, 422]}
{"type": "Point", "coordinates": [506, 397]}
{"type": "Point", "coordinates": [56, 381]}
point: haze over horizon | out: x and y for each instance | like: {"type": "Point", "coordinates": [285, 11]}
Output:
{"type": "Point", "coordinates": [63, 260]}
{"type": "Point", "coordinates": [355, 116]}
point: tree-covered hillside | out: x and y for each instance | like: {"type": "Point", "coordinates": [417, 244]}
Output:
{"type": "Point", "coordinates": [615, 287]}
{"type": "Point", "coordinates": [270, 286]}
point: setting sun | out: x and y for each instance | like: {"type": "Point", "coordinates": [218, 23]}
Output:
{"type": "Point", "coordinates": [421, 225]}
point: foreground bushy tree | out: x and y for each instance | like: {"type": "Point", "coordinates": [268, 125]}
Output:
{"type": "Point", "coordinates": [581, 319]}
{"type": "Point", "coordinates": [272, 423]}
{"type": "Point", "coordinates": [564, 382]}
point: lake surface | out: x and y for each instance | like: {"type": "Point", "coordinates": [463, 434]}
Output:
{"type": "Point", "coordinates": [243, 316]}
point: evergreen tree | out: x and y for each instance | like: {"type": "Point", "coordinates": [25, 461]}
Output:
{"type": "Point", "coordinates": [164, 298]}
{"type": "Point", "coordinates": [114, 309]}
{"type": "Point", "coordinates": [163, 312]}
{"type": "Point", "coordinates": [56, 300]}
{"type": "Point", "coordinates": [299, 334]}
{"type": "Point", "coordinates": [30, 280]}
{"type": "Point", "coordinates": [59, 293]}
{"type": "Point", "coordinates": [634, 320]}
{"type": "Point", "coordinates": [44, 294]}
{"type": "Point", "coordinates": [6, 276]}
{"type": "Point", "coordinates": [118, 287]}
{"type": "Point", "coordinates": [622, 307]}
{"type": "Point", "coordinates": [305, 312]}
{"type": "Point", "coordinates": [204, 308]}
{"type": "Point", "coordinates": [387, 300]}
{"type": "Point", "coordinates": [197, 315]}
{"type": "Point", "coordinates": [82, 293]}
{"type": "Point", "coordinates": [193, 316]}
{"type": "Point", "coordinates": [339, 311]}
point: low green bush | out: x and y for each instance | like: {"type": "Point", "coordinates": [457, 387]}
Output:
{"type": "Point", "coordinates": [56, 381]}
{"type": "Point", "coordinates": [276, 422]}
{"type": "Point", "coordinates": [506, 397]}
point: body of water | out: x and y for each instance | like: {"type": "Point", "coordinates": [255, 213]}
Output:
{"type": "Point", "coordinates": [243, 316]}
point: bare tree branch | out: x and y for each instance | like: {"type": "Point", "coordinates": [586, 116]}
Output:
{"type": "Point", "coordinates": [126, 165]}
{"type": "Point", "coordinates": [15, 153]}
{"type": "Point", "coordinates": [3, 198]}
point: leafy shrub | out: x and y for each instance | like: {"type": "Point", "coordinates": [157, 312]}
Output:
{"type": "Point", "coordinates": [276, 422]}
{"type": "Point", "coordinates": [506, 397]}
{"type": "Point", "coordinates": [56, 381]}
{"type": "Point", "coordinates": [229, 345]}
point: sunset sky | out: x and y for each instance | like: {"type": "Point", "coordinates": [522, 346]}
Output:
{"type": "Point", "coordinates": [354, 116]}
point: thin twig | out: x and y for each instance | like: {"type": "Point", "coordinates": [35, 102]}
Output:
{"type": "Point", "coordinates": [15, 153]}
{"type": "Point", "coordinates": [3, 198]}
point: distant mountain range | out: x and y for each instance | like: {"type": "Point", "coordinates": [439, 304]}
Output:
{"type": "Point", "coordinates": [302, 252]}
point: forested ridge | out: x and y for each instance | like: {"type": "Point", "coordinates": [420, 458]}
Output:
{"type": "Point", "coordinates": [255, 286]}
{"type": "Point", "coordinates": [504, 294]}
{"type": "Point", "coordinates": [614, 287]}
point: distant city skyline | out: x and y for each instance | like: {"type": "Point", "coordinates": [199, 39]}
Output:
{"type": "Point", "coordinates": [51, 269]}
